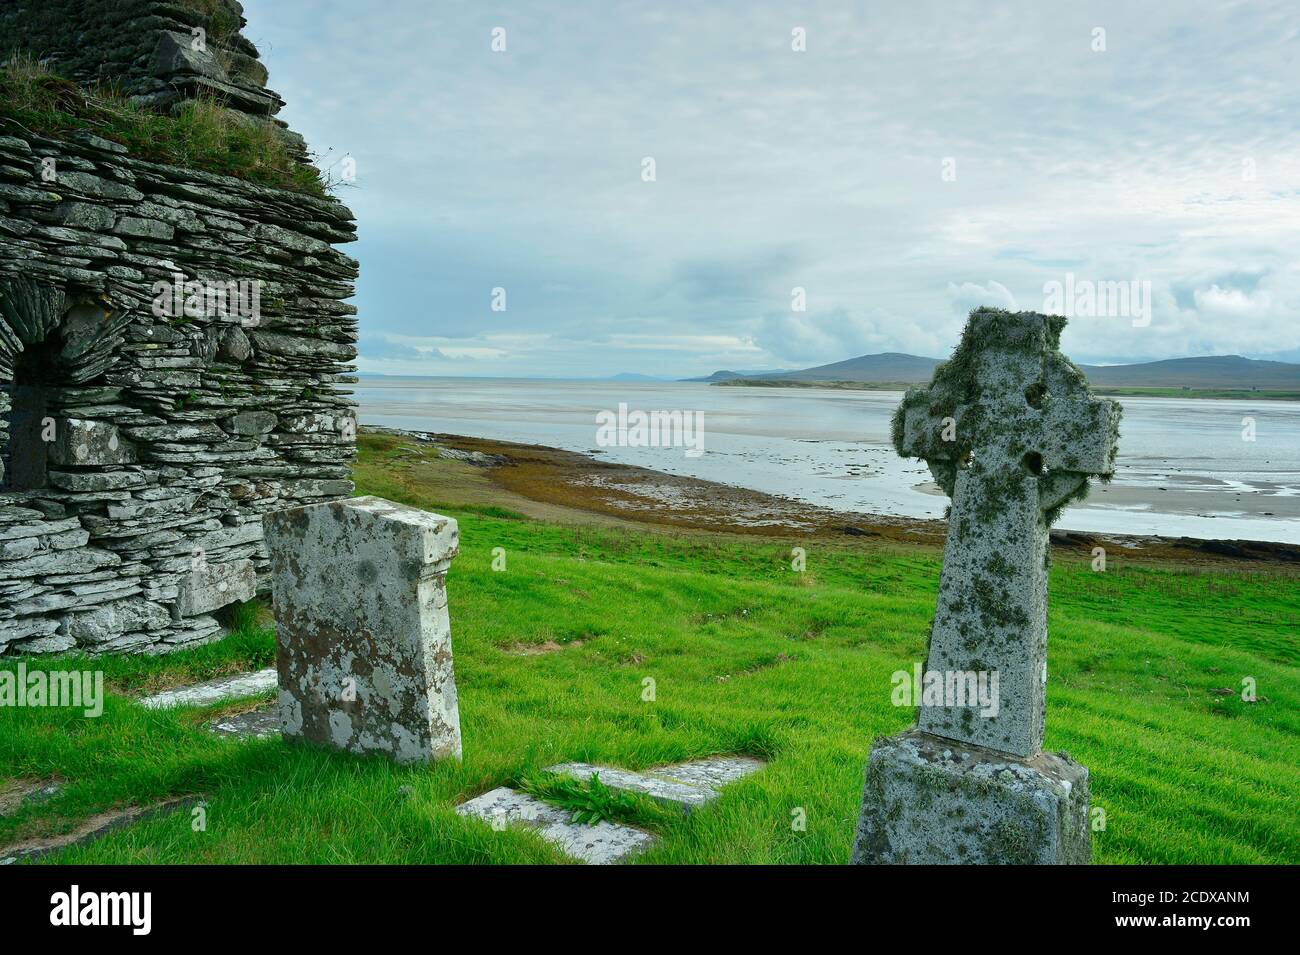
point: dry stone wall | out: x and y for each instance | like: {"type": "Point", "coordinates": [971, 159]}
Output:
{"type": "Point", "coordinates": [174, 364]}
{"type": "Point", "coordinates": [157, 52]}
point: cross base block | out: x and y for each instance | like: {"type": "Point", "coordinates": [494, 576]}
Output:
{"type": "Point", "coordinates": [935, 801]}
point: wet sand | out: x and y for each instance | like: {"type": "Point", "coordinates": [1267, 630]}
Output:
{"type": "Point", "coordinates": [552, 484]}
{"type": "Point", "coordinates": [1186, 468]}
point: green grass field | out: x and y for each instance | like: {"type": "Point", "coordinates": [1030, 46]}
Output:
{"type": "Point", "coordinates": [746, 656]}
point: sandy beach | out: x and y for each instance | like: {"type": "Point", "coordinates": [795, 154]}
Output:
{"type": "Point", "coordinates": [554, 484]}
{"type": "Point", "coordinates": [1186, 468]}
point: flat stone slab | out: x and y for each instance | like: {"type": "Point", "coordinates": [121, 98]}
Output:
{"type": "Point", "coordinates": [261, 723]}
{"type": "Point", "coordinates": [686, 785]}
{"type": "Point", "coordinates": [713, 772]}
{"type": "Point", "coordinates": [214, 691]}
{"type": "Point", "coordinates": [669, 791]}
{"type": "Point", "coordinates": [605, 843]}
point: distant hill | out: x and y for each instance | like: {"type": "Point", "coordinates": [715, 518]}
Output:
{"type": "Point", "coordinates": [728, 375]}
{"type": "Point", "coordinates": [1211, 371]}
{"type": "Point", "coordinates": [889, 366]}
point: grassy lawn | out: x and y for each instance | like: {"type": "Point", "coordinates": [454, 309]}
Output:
{"type": "Point", "coordinates": [746, 656]}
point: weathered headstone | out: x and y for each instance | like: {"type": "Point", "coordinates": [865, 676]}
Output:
{"type": "Point", "coordinates": [1012, 434]}
{"type": "Point", "coordinates": [363, 639]}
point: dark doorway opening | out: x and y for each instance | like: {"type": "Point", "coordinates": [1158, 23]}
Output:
{"type": "Point", "coordinates": [31, 422]}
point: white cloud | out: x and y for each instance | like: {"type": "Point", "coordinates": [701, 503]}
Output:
{"type": "Point", "coordinates": [1232, 302]}
{"type": "Point", "coordinates": [970, 295]}
{"type": "Point", "coordinates": [1173, 158]}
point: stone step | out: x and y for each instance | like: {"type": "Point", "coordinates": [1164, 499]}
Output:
{"type": "Point", "coordinates": [685, 785]}
{"type": "Point", "coordinates": [213, 691]}
{"type": "Point", "coordinates": [604, 843]}
{"type": "Point", "coordinates": [261, 723]}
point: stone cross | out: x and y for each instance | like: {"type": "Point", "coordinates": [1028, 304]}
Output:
{"type": "Point", "coordinates": [363, 638]}
{"type": "Point", "coordinates": [1011, 433]}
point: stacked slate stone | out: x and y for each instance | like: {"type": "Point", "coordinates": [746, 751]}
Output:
{"type": "Point", "coordinates": [174, 350]}
{"type": "Point", "coordinates": [147, 48]}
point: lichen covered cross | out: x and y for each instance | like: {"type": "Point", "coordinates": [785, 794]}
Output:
{"type": "Point", "coordinates": [1012, 434]}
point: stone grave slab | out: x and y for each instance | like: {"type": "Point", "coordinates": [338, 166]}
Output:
{"type": "Point", "coordinates": [261, 723]}
{"type": "Point", "coordinates": [713, 771]}
{"type": "Point", "coordinates": [604, 843]}
{"type": "Point", "coordinates": [683, 785]}
{"type": "Point", "coordinates": [95, 827]}
{"type": "Point", "coordinates": [668, 791]}
{"type": "Point", "coordinates": [213, 691]}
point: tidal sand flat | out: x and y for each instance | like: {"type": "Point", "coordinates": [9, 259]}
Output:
{"type": "Point", "coordinates": [568, 487]}
{"type": "Point", "coordinates": [1202, 468]}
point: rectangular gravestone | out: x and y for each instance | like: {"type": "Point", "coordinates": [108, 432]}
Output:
{"type": "Point", "coordinates": [1012, 434]}
{"type": "Point", "coordinates": [363, 638]}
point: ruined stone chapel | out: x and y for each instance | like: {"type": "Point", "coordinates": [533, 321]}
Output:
{"type": "Point", "coordinates": [174, 332]}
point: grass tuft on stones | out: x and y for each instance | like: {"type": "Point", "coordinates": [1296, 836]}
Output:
{"type": "Point", "coordinates": [590, 801]}
{"type": "Point", "coordinates": [201, 134]}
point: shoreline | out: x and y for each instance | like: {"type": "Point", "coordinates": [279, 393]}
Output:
{"type": "Point", "coordinates": [1217, 394]}
{"type": "Point", "coordinates": [568, 481]}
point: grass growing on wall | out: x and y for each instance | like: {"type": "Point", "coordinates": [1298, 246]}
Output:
{"type": "Point", "coordinates": [199, 134]}
{"type": "Point", "coordinates": [747, 657]}
{"type": "Point", "coordinates": [223, 21]}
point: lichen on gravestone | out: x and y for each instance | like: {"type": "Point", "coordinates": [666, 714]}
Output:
{"type": "Point", "coordinates": [1011, 432]}
{"type": "Point", "coordinates": [363, 636]}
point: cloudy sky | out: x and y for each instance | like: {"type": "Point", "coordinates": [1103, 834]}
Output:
{"type": "Point", "coordinates": [914, 160]}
